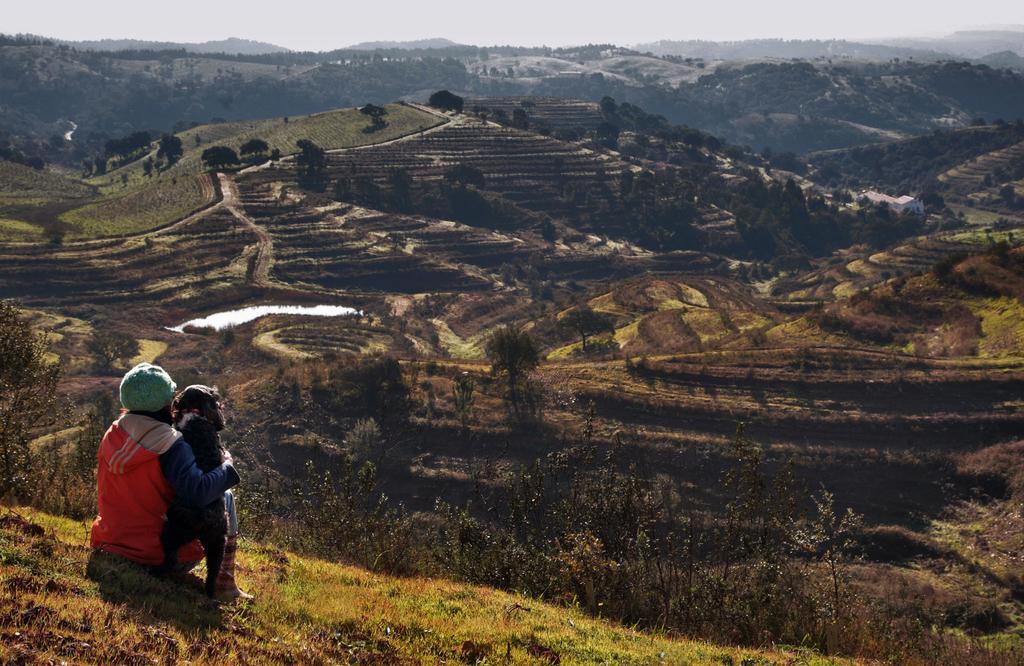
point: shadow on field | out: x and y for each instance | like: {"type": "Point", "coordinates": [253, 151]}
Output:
{"type": "Point", "coordinates": [177, 600]}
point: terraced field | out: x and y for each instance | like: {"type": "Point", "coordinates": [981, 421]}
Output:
{"type": "Point", "coordinates": [671, 314]}
{"type": "Point", "coordinates": [196, 260]}
{"type": "Point", "coordinates": [331, 336]}
{"type": "Point", "coordinates": [849, 272]}
{"type": "Point", "coordinates": [814, 396]}
{"type": "Point", "coordinates": [350, 248]}
{"type": "Point", "coordinates": [529, 169]}
{"type": "Point", "coordinates": [550, 112]}
{"type": "Point", "coordinates": [967, 177]}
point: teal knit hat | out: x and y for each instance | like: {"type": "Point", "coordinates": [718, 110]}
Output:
{"type": "Point", "coordinates": [146, 388]}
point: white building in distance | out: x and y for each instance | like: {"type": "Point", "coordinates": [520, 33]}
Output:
{"type": "Point", "coordinates": [904, 204]}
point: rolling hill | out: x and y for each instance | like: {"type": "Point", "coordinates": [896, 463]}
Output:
{"type": "Point", "coordinates": [231, 45]}
{"type": "Point", "coordinates": [125, 200]}
{"type": "Point", "coordinates": [729, 289]}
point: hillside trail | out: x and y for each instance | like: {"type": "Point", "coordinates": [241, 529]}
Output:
{"type": "Point", "coordinates": [259, 276]}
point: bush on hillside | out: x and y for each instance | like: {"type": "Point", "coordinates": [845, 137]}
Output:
{"type": "Point", "coordinates": [28, 398]}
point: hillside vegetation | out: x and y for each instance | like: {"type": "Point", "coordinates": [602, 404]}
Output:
{"type": "Point", "coordinates": [59, 601]}
{"type": "Point", "coordinates": [126, 200]}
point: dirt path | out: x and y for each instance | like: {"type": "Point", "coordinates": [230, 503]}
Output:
{"type": "Point", "coordinates": [259, 273]}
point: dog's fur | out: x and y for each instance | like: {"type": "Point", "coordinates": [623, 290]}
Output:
{"type": "Point", "coordinates": [198, 417]}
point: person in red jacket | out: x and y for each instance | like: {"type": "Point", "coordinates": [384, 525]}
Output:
{"type": "Point", "coordinates": [144, 463]}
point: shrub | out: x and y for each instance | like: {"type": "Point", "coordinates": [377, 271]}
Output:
{"type": "Point", "coordinates": [365, 439]}
{"type": "Point", "coordinates": [28, 397]}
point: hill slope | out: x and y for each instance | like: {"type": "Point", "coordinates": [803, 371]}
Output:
{"type": "Point", "coordinates": [307, 611]}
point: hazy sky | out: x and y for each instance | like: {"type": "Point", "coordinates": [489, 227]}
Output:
{"type": "Point", "coordinates": [321, 24]}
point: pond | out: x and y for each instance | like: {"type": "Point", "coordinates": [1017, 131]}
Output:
{"type": "Point", "coordinates": [221, 320]}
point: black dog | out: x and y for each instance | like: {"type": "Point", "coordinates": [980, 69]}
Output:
{"type": "Point", "coordinates": [198, 416]}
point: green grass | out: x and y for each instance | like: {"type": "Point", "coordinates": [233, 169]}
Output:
{"type": "Point", "coordinates": [22, 184]}
{"type": "Point", "coordinates": [16, 230]}
{"type": "Point", "coordinates": [1002, 326]}
{"type": "Point", "coordinates": [165, 199]}
{"type": "Point", "coordinates": [306, 611]}
{"type": "Point", "coordinates": [457, 347]}
{"type": "Point", "coordinates": [149, 351]}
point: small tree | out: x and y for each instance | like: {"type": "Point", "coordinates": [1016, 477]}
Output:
{"type": "Point", "coordinates": [365, 439]}
{"type": "Point", "coordinates": [28, 396]}
{"type": "Point", "coordinates": [463, 394]}
{"type": "Point", "coordinates": [446, 101]}
{"type": "Point", "coordinates": [111, 347]}
{"type": "Point", "coordinates": [376, 115]}
{"type": "Point", "coordinates": [312, 165]}
{"type": "Point", "coordinates": [830, 538]}
{"type": "Point", "coordinates": [218, 157]}
{"type": "Point", "coordinates": [462, 174]}
{"type": "Point", "coordinates": [1008, 194]}
{"type": "Point", "coordinates": [254, 149]}
{"type": "Point", "coordinates": [170, 148]}
{"type": "Point", "coordinates": [584, 322]}
{"type": "Point", "coordinates": [520, 119]}
{"type": "Point", "coordinates": [513, 355]}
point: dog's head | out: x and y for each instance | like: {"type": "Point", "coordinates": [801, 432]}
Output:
{"type": "Point", "coordinates": [202, 400]}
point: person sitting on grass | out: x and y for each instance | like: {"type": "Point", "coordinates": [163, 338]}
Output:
{"type": "Point", "coordinates": [144, 464]}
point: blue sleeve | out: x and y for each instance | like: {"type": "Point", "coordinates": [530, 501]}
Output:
{"type": "Point", "coordinates": [190, 484]}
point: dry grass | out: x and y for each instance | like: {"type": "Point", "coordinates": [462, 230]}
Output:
{"type": "Point", "coordinates": [57, 603]}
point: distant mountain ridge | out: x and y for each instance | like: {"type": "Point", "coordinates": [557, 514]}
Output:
{"type": "Point", "coordinates": [416, 44]}
{"type": "Point", "coordinates": [753, 49]}
{"type": "Point", "coordinates": [968, 43]}
{"type": "Point", "coordinates": [231, 45]}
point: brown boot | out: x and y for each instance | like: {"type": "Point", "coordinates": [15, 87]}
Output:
{"type": "Point", "coordinates": [227, 590]}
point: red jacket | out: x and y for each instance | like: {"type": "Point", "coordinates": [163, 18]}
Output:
{"type": "Point", "coordinates": [134, 491]}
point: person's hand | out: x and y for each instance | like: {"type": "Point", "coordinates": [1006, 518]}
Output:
{"type": "Point", "coordinates": [228, 460]}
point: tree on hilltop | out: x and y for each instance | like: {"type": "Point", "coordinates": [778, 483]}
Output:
{"type": "Point", "coordinates": [218, 157]}
{"type": "Point", "coordinates": [446, 101]}
{"type": "Point", "coordinates": [170, 149]}
{"type": "Point", "coordinates": [376, 115]}
{"type": "Point", "coordinates": [584, 322]}
{"type": "Point", "coordinates": [254, 148]}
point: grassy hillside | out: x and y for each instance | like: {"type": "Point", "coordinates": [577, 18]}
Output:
{"type": "Point", "coordinates": [146, 206]}
{"type": "Point", "coordinates": [134, 202]}
{"type": "Point", "coordinates": [28, 195]}
{"type": "Point", "coordinates": [20, 183]}
{"type": "Point", "coordinates": [126, 201]}
{"type": "Point", "coordinates": [58, 602]}
{"type": "Point", "coordinates": [342, 128]}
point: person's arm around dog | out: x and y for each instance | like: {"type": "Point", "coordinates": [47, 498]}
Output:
{"type": "Point", "coordinates": [190, 484]}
